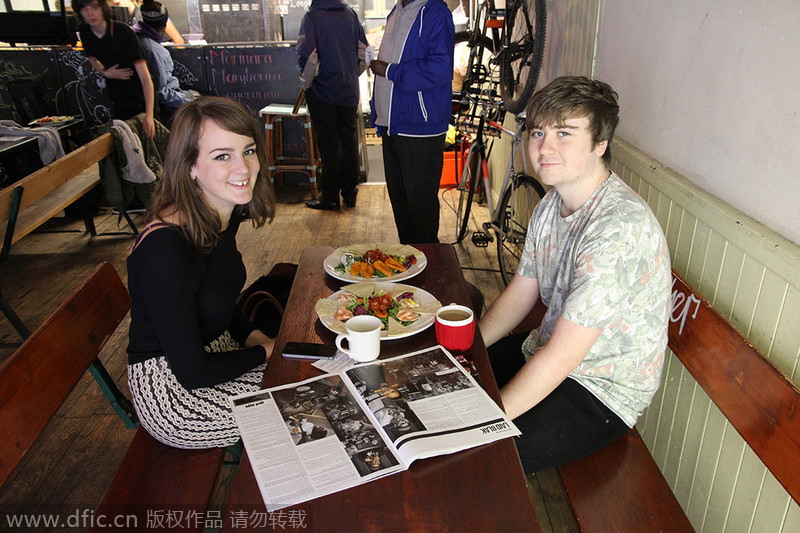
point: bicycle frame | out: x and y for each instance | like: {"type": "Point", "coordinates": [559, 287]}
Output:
{"type": "Point", "coordinates": [516, 144]}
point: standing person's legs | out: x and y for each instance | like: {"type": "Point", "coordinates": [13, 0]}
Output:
{"type": "Point", "coordinates": [324, 119]}
{"type": "Point", "coordinates": [347, 132]}
{"type": "Point", "coordinates": [395, 186]}
{"type": "Point", "coordinates": [568, 424]}
{"type": "Point", "coordinates": [414, 186]}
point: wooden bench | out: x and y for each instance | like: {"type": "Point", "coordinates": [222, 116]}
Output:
{"type": "Point", "coordinates": [617, 488]}
{"type": "Point", "coordinates": [620, 488]}
{"type": "Point", "coordinates": [30, 202]}
{"type": "Point", "coordinates": [38, 197]}
{"type": "Point", "coordinates": [36, 380]}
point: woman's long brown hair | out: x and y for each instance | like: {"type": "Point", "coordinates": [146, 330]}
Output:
{"type": "Point", "coordinates": [176, 192]}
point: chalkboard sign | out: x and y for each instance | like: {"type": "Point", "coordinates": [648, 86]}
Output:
{"type": "Point", "coordinates": [35, 65]}
{"type": "Point", "coordinates": [254, 76]}
{"type": "Point", "coordinates": [83, 88]}
{"type": "Point", "coordinates": [230, 21]}
{"type": "Point", "coordinates": [190, 67]}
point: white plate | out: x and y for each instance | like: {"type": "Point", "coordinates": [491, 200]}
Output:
{"type": "Point", "coordinates": [336, 257]}
{"type": "Point", "coordinates": [61, 120]}
{"type": "Point", "coordinates": [422, 297]}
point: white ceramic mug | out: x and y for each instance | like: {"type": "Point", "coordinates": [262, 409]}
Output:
{"type": "Point", "coordinates": [364, 337]}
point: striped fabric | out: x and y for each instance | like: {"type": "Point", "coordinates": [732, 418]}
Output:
{"type": "Point", "coordinates": [182, 418]}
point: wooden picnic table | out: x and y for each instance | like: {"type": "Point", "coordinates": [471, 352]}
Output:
{"type": "Point", "coordinates": [480, 489]}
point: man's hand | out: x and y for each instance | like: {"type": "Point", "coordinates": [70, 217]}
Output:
{"type": "Point", "coordinates": [551, 365]}
{"type": "Point", "coordinates": [378, 67]}
{"type": "Point", "coordinates": [149, 126]}
{"type": "Point", "coordinates": [117, 73]}
{"type": "Point", "coordinates": [509, 309]}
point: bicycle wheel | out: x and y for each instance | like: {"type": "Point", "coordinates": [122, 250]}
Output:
{"type": "Point", "coordinates": [522, 51]}
{"type": "Point", "coordinates": [473, 56]}
{"type": "Point", "coordinates": [516, 208]}
{"type": "Point", "coordinates": [472, 173]}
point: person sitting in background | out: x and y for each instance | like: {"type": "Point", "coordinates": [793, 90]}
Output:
{"type": "Point", "coordinates": [150, 32]}
{"type": "Point", "coordinates": [596, 256]}
{"type": "Point", "coordinates": [114, 52]}
{"type": "Point", "coordinates": [190, 348]}
{"type": "Point", "coordinates": [135, 13]}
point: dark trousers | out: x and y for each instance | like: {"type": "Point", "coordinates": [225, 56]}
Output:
{"type": "Point", "coordinates": [335, 128]}
{"type": "Point", "coordinates": [413, 167]}
{"type": "Point", "coordinates": [568, 424]}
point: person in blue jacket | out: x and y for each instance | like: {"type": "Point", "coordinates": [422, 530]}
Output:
{"type": "Point", "coordinates": [331, 45]}
{"type": "Point", "coordinates": [150, 31]}
{"type": "Point", "coordinates": [411, 108]}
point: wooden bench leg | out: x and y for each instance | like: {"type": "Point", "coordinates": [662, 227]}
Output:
{"type": "Point", "coordinates": [86, 212]}
{"type": "Point", "coordinates": [13, 213]}
{"type": "Point", "coordinates": [12, 317]}
{"type": "Point", "coordinates": [130, 223]}
{"type": "Point", "coordinates": [121, 405]}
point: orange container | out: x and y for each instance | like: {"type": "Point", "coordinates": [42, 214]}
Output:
{"type": "Point", "coordinates": [452, 168]}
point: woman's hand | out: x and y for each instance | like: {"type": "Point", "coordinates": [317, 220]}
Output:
{"type": "Point", "coordinates": [259, 338]}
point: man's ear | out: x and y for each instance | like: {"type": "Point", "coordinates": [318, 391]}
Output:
{"type": "Point", "coordinates": [601, 147]}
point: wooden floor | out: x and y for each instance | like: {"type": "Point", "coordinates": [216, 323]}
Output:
{"type": "Point", "coordinates": [72, 464]}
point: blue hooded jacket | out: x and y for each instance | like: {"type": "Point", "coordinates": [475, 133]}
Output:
{"type": "Point", "coordinates": [421, 92]}
{"type": "Point", "coordinates": [333, 29]}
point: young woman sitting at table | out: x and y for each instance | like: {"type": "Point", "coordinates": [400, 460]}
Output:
{"type": "Point", "coordinates": [190, 349]}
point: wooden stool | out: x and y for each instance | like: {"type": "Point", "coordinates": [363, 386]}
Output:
{"type": "Point", "coordinates": [279, 163]}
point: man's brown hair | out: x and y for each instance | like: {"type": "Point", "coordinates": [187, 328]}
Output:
{"type": "Point", "coordinates": [576, 97]}
{"type": "Point", "coordinates": [77, 5]}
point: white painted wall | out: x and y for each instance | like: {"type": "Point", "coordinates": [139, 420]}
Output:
{"type": "Point", "coordinates": [712, 90]}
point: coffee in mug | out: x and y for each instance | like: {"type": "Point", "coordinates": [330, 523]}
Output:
{"type": "Point", "coordinates": [455, 327]}
{"type": "Point", "coordinates": [364, 337]}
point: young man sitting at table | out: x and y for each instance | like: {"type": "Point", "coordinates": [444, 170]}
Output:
{"type": "Point", "coordinates": [597, 257]}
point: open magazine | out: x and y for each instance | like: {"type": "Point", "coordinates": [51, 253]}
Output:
{"type": "Point", "coordinates": [335, 431]}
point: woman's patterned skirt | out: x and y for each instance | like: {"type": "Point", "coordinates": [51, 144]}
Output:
{"type": "Point", "coordinates": [182, 418]}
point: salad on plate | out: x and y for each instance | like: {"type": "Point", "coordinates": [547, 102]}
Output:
{"type": "Point", "coordinates": [389, 262]}
{"type": "Point", "coordinates": [403, 309]}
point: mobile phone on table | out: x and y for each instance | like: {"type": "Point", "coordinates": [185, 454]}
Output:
{"type": "Point", "coordinates": [308, 350]}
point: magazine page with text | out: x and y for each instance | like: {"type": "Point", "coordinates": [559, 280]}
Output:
{"type": "Point", "coordinates": [428, 405]}
{"type": "Point", "coordinates": [309, 439]}
{"type": "Point", "coordinates": [325, 434]}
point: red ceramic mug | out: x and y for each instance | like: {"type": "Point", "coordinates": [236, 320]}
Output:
{"type": "Point", "coordinates": [455, 327]}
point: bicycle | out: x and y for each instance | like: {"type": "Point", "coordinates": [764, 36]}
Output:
{"type": "Point", "coordinates": [514, 39]}
{"type": "Point", "coordinates": [519, 195]}
{"type": "Point", "coordinates": [474, 174]}
{"type": "Point", "coordinates": [522, 51]}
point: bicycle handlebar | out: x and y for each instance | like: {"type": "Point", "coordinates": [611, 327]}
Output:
{"type": "Point", "coordinates": [499, 127]}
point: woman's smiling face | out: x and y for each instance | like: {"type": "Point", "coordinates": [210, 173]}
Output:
{"type": "Point", "coordinates": [226, 168]}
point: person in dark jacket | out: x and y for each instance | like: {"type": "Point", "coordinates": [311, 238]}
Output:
{"type": "Point", "coordinates": [411, 108]}
{"type": "Point", "coordinates": [330, 42]}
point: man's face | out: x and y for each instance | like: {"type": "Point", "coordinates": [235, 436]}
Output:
{"type": "Point", "coordinates": [563, 154]}
{"type": "Point", "coordinates": [92, 14]}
